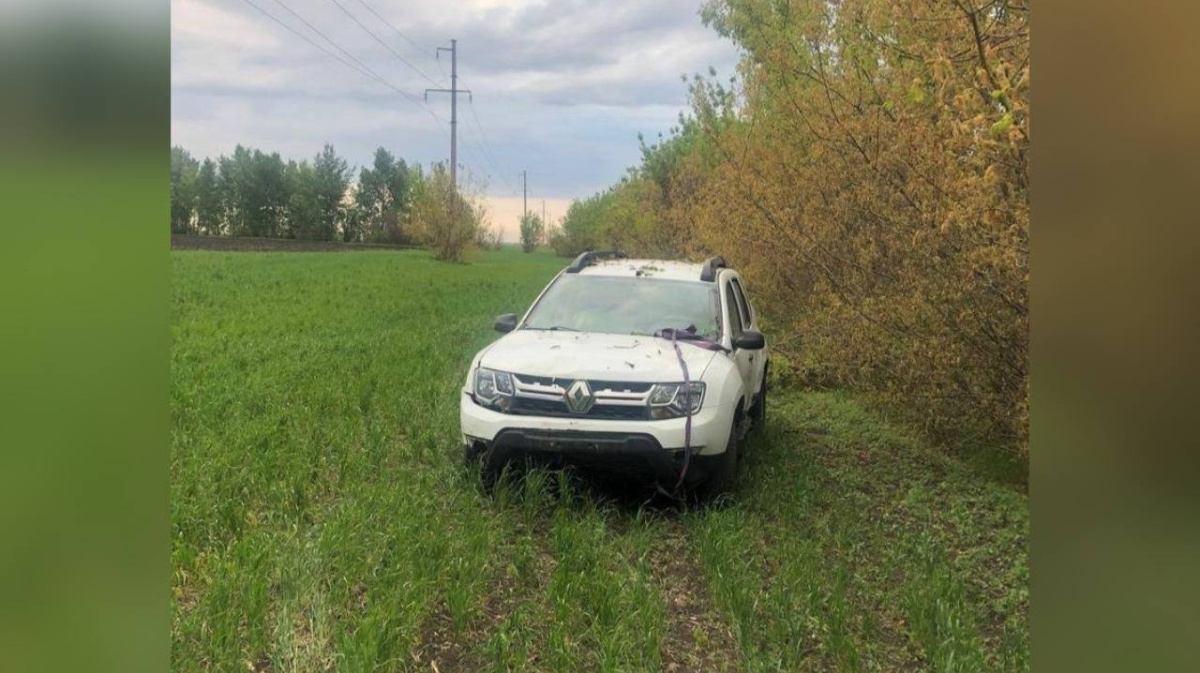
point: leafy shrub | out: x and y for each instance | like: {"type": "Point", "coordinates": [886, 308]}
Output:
{"type": "Point", "coordinates": [869, 176]}
{"type": "Point", "coordinates": [444, 219]}
{"type": "Point", "coordinates": [533, 230]}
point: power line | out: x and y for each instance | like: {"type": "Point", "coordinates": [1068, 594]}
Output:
{"type": "Point", "coordinates": [354, 63]}
{"type": "Point", "coordinates": [304, 37]}
{"type": "Point", "coordinates": [476, 150]}
{"type": "Point", "coordinates": [399, 32]}
{"type": "Point", "coordinates": [486, 147]}
{"type": "Point", "coordinates": [363, 67]}
{"type": "Point", "coordinates": [484, 156]}
{"type": "Point", "coordinates": [491, 156]}
{"type": "Point", "coordinates": [384, 44]}
{"type": "Point", "coordinates": [367, 69]}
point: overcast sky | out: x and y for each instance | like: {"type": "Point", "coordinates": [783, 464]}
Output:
{"type": "Point", "coordinates": [560, 88]}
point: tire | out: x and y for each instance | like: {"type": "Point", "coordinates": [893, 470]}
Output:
{"type": "Point", "coordinates": [478, 462]}
{"type": "Point", "coordinates": [720, 480]}
{"type": "Point", "coordinates": [471, 455]}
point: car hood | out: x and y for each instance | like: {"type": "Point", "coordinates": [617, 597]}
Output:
{"type": "Point", "coordinates": [589, 355]}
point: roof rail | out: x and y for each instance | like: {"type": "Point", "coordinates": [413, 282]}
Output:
{"type": "Point", "coordinates": [709, 272]}
{"type": "Point", "coordinates": [591, 257]}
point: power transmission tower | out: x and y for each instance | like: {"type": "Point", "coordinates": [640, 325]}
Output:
{"type": "Point", "coordinates": [453, 91]}
{"type": "Point", "coordinates": [524, 194]}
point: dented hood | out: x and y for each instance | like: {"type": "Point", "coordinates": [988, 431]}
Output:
{"type": "Point", "coordinates": [589, 355]}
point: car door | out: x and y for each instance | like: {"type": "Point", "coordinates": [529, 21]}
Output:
{"type": "Point", "coordinates": [757, 359]}
{"type": "Point", "coordinates": [741, 357]}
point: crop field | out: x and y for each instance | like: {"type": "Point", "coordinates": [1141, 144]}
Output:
{"type": "Point", "coordinates": [321, 520]}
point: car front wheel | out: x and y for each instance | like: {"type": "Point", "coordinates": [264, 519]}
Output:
{"type": "Point", "coordinates": [724, 470]}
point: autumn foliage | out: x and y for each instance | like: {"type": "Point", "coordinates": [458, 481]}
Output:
{"type": "Point", "coordinates": [868, 172]}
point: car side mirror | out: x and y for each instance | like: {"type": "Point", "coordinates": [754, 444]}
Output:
{"type": "Point", "coordinates": [506, 322]}
{"type": "Point", "coordinates": [750, 340]}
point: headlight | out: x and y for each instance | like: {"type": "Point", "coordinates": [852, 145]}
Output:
{"type": "Point", "coordinates": [672, 400]}
{"type": "Point", "coordinates": [493, 389]}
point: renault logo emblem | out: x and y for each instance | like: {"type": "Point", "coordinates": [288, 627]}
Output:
{"type": "Point", "coordinates": [579, 397]}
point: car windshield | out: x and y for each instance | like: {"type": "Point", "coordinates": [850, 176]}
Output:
{"type": "Point", "coordinates": [618, 305]}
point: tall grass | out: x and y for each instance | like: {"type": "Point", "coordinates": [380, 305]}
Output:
{"type": "Point", "coordinates": [320, 519]}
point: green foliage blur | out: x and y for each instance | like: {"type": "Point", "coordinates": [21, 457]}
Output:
{"type": "Point", "coordinates": [533, 231]}
{"type": "Point", "coordinates": [84, 421]}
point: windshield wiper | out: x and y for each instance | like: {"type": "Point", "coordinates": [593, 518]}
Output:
{"type": "Point", "coordinates": [556, 328]}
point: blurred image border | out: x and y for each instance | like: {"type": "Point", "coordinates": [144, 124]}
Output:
{"type": "Point", "coordinates": [84, 277]}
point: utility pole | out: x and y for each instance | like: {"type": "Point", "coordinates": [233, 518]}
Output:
{"type": "Point", "coordinates": [543, 212]}
{"type": "Point", "coordinates": [453, 91]}
{"type": "Point", "coordinates": [524, 194]}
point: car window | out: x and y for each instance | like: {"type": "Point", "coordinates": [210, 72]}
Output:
{"type": "Point", "coordinates": [743, 305]}
{"type": "Point", "coordinates": [622, 305]}
{"type": "Point", "coordinates": [735, 318]}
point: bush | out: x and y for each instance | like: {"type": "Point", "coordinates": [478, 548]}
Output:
{"type": "Point", "coordinates": [872, 189]}
{"type": "Point", "coordinates": [445, 220]}
{"type": "Point", "coordinates": [533, 230]}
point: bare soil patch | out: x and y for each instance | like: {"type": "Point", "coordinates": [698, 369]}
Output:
{"type": "Point", "coordinates": [696, 638]}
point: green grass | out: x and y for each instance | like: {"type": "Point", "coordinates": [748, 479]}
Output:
{"type": "Point", "coordinates": [320, 520]}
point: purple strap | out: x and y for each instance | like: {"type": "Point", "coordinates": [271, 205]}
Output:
{"type": "Point", "coordinates": [696, 340]}
{"type": "Point", "coordinates": [687, 423]}
{"type": "Point", "coordinates": [691, 337]}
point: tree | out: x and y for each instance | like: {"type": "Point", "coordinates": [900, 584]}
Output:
{"type": "Point", "coordinates": [183, 190]}
{"type": "Point", "coordinates": [269, 190]}
{"type": "Point", "coordinates": [232, 184]}
{"type": "Point", "coordinates": [533, 230]}
{"type": "Point", "coordinates": [383, 198]}
{"type": "Point", "coordinates": [304, 209]}
{"type": "Point", "coordinates": [315, 195]}
{"type": "Point", "coordinates": [244, 205]}
{"type": "Point", "coordinates": [354, 221]}
{"type": "Point", "coordinates": [330, 177]}
{"type": "Point", "coordinates": [869, 176]}
{"type": "Point", "coordinates": [252, 193]}
{"type": "Point", "coordinates": [443, 218]}
{"type": "Point", "coordinates": [209, 209]}
{"type": "Point", "coordinates": [254, 187]}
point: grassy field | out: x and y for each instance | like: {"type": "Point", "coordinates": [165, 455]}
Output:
{"type": "Point", "coordinates": [320, 519]}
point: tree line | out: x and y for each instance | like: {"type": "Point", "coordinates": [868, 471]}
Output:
{"type": "Point", "coordinates": [868, 172]}
{"type": "Point", "coordinates": [253, 193]}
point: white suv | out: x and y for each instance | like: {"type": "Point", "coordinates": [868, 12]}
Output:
{"type": "Point", "coordinates": [651, 368]}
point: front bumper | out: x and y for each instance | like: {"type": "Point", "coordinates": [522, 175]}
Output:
{"type": "Point", "coordinates": [636, 456]}
{"type": "Point", "coordinates": [710, 428]}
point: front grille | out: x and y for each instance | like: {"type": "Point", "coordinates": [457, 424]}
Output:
{"type": "Point", "coordinates": [613, 400]}
{"type": "Point", "coordinates": [527, 406]}
{"type": "Point", "coordinates": [615, 386]}
{"type": "Point", "coordinates": [621, 386]}
{"type": "Point", "coordinates": [620, 412]}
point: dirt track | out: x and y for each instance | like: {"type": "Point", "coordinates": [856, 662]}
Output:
{"type": "Point", "coordinates": [233, 243]}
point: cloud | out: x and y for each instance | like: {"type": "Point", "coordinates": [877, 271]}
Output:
{"type": "Point", "coordinates": [559, 88]}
